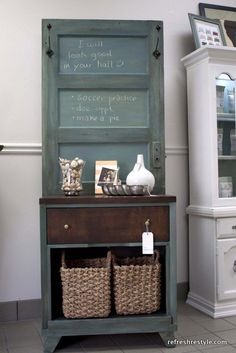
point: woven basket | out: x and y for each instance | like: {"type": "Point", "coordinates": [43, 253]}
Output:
{"type": "Point", "coordinates": [86, 288]}
{"type": "Point", "coordinates": [137, 284]}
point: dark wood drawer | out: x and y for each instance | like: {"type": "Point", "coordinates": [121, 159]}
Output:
{"type": "Point", "coordinates": [106, 224]}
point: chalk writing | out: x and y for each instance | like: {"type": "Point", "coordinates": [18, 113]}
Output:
{"type": "Point", "coordinates": [105, 55]}
{"type": "Point", "coordinates": [103, 108]}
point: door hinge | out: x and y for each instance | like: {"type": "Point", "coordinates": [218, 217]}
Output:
{"type": "Point", "coordinates": [156, 154]}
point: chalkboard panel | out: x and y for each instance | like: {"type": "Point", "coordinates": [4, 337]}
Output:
{"type": "Point", "coordinates": [78, 55]}
{"type": "Point", "coordinates": [103, 108]}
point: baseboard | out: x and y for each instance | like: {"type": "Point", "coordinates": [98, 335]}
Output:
{"type": "Point", "coordinates": [20, 310]}
{"type": "Point", "coordinates": [8, 311]}
{"type": "Point", "coordinates": [31, 309]}
{"type": "Point", "coordinates": [182, 291]}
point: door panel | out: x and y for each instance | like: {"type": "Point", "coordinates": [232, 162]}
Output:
{"type": "Point", "coordinates": [102, 97]}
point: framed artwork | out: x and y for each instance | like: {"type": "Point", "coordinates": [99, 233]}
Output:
{"type": "Point", "coordinates": [227, 17]}
{"type": "Point", "coordinates": [206, 32]}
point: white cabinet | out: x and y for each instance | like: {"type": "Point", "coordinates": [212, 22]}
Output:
{"type": "Point", "coordinates": [211, 74]}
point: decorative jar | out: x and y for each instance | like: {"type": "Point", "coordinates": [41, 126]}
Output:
{"type": "Point", "coordinates": [71, 175]}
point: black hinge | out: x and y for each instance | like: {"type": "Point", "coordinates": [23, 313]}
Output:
{"type": "Point", "coordinates": [156, 53]}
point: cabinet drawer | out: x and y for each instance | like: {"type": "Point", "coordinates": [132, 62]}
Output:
{"type": "Point", "coordinates": [106, 224]}
{"type": "Point", "coordinates": [226, 227]}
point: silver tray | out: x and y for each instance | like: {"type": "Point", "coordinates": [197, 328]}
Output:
{"type": "Point", "coordinates": [125, 190]}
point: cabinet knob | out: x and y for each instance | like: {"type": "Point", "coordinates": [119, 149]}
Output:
{"type": "Point", "coordinates": [66, 226]}
{"type": "Point", "coordinates": [234, 227]}
{"type": "Point", "coordinates": [234, 266]}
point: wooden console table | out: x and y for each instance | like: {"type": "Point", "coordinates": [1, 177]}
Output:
{"type": "Point", "coordinates": [92, 225]}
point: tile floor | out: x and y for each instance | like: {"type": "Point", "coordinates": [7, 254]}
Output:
{"type": "Point", "coordinates": [193, 326]}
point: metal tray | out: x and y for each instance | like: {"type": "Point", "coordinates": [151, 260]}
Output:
{"type": "Point", "coordinates": [125, 190]}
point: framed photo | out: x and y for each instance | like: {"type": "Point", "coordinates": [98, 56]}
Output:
{"type": "Point", "coordinates": [105, 172]}
{"type": "Point", "coordinates": [206, 32]}
{"type": "Point", "coordinates": [227, 17]}
{"type": "Point", "coordinates": [107, 176]}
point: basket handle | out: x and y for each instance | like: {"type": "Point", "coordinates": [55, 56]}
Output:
{"type": "Point", "coordinates": [156, 256]}
{"type": "Point", "coordinates": [63, 259]}
{"type": "Point", "coordinates": [109, 258]}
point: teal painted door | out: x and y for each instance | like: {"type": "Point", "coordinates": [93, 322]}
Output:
{"type": "Point", "coordinates": [103, 97]}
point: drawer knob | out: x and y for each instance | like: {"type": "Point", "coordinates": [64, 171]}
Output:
{"type": "Point", "coordinates": [234, 266]}
{"type": "Point", "coordinates": [233, 227]}
{"type": "Point", "coordinates": [66, 226]}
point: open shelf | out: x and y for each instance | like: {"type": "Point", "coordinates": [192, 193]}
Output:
{"type": "Point", "coordinates": [75, 253]}
{"type": "Point", "coordinates": [226, 158]}
{"type": "Point", "coordinates": [226, 117]}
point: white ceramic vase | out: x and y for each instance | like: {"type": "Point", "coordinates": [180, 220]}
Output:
{"type": "Point", "coordinates": [140, 175]}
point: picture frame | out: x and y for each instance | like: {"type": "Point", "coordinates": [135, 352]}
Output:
{"type": "Point", "coordinates": [227, 17]}
{"type": "Point", "coordinates": [206, 32]}
{"type": "Point", "coordinates": [107, 176]}
{"type": "Point", "coordinates": [101, 167]}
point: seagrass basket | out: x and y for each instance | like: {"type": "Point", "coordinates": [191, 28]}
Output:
{"type": "Point", "coordinates": [137, 284]}
{"type": "Point", "coordinates": [86, 288]}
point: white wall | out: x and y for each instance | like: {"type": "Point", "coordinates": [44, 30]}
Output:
{"type": "Point", "coordinates": [20, 123]}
